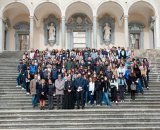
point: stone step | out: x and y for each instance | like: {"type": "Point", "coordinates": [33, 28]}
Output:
{"type": "Point", "coordinates": [80, 111]}
{"type": "Point", "coordinates": [92, 128]}
{"type": "Point", "coordinates": [24, 96]}
{"type": "Point", "coordinates": [8, 71]}
{"type": "Point", "coordinates": [126, 102]}
{"type": "Point", "coordinates": [80, 120]}
{"type": "Point", "coordinates": [114, 106]}
{"type": "Point", "coordinates": [70, 116]}
{"type": "Point", "coordinates": [82, 125]}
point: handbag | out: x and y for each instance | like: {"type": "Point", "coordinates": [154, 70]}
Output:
{"type": "Point", "coordinates": [133, 87]}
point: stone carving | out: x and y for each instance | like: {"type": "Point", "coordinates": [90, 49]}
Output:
{"type": "Point", "coordinates": [133, 39]}
{"type": "Point", "coordinates": [52, 32]}
{"type": "Point", "coordinates": [22, 26]}
{"type": "Point", "coordinates": [79, 21]}
{"type": "Point", "coordinates": [107, 32]}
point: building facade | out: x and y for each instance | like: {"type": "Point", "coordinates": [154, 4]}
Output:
{"type": "Point", "coordinates": [67, 24]}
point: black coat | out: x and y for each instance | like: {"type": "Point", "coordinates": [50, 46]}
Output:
{"type": "Point", "coordinates": [51, 89]}
{"type": "Point", "coordinates": [68, 96]}
{"type": "Point", "coordinates": [98, 86]}
{"type": "Point", "coordinates": [44, 90]}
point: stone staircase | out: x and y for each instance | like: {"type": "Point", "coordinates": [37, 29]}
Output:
{"type": "Point", "coordinates": [16, 111]}
{"type": "Point", "coordinates": [154, 59]}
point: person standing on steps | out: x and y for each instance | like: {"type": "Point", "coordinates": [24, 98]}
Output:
{"type": "Point", "coordinates": [43, 94]}
{"type": "Point", "coordinates": [132, 80]}
{"type": "Point", "coordinates": [121, 86]}
{"type": "Point", "coordinates": [138, 81]}
{"type": "Point", "coordinates": [69, 94]}
{"type": "Point", "coordinates": [80, 87]}
{"type": "Point", "coordinates": [33, 69]}
{"type": "Point", "coordinates": [146, 63]}
{"type": "Point", "coordinates": [33, 85]}
{"type": "Point", "coordinates": [59, 84]}
{"type": "Point", "coordinates": [22, 67]}
{"type": "Point", "coordinates": [51, 94]}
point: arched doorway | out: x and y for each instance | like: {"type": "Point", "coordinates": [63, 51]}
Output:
{"type": "Point", "coordinates": [79, 18]}
{"type": "Point", "coordinates": [14, 13]}
{"type": "Point", "coordinates": [141, 34]}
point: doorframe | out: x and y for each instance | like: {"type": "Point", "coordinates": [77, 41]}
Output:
{"type": "Point", "coordinates": [21, 28]}
{"type": "Point", "coordinates": [86, 38]}
{"type": "Point", "coordinates": [79, 21]}
{"type": "Point", "coordinates": [136, 27]}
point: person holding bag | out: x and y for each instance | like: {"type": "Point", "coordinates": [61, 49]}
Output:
{"type": "Point", "coordinates": [132, 79]}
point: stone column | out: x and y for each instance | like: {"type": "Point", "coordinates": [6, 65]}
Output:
{"type": "Point", "coordinates": [94, 32]}
{"type": "Point", "coordinates": [63, 33]}
{"type": "Point", "coordinates": [1, 34]}
{"type": "Point", "coordinates": [157, 37]}
{"type": "Point", "coordinates": [31, 32]}
{"type": "Point", "coordinates": [126, 31]}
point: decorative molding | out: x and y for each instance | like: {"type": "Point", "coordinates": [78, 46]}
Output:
{"type": "Point", "coordinates": [22, 26]}
{"type": "Point", "coordinates": [136, 27]}
{"type": "Point", "coordinates": [79, 21]}
{"type": "Point", "coordinates": [152, 20]}
{"type": "Point", "coordinates": [6, 23]}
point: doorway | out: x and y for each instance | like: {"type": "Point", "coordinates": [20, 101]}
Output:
{"type": "Point", "coordinates": [23, 43]}
{"type": "Point", "coordinates": [136, 40]}
{"type": "Point", "coordinates": [79, 39]}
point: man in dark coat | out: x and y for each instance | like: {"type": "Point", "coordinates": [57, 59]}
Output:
{"type": "Point", "coordinates": [80, 86]}
{"type": "Point", "coordinates": [69, 94]}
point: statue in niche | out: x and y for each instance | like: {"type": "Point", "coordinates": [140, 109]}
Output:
{"type": "Point", "coordinates": [52, 32]}
{"type": "Point", "coordinates": [133, 39]}
{"type": "Point", "coordinates": [107, 32]}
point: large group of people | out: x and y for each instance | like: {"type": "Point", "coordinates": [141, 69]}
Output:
{"type": "Point", "coordinates": [80, 77]}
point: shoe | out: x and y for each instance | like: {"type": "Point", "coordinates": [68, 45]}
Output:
{"type": "Point", "coordinates": [27, 93]}
{"type": "Point", "coordinates": [148, 88]}
{"type": "Point", "coordinates": [17, 86]}
{"type": "Point", "coordinates": [41, 108]}
{"type": "Point", "coordinates": [23, 89]}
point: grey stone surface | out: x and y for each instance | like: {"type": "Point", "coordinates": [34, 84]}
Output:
{"type": "Point", "coordinates": [16, 111]}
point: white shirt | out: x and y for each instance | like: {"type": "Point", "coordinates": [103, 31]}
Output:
{"type": "Point", "coordinates": [91, 86]}
{"type": "Point", "coordinates": [121, 70]}
{"type": "Point", "coordinates": [32, 55]}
